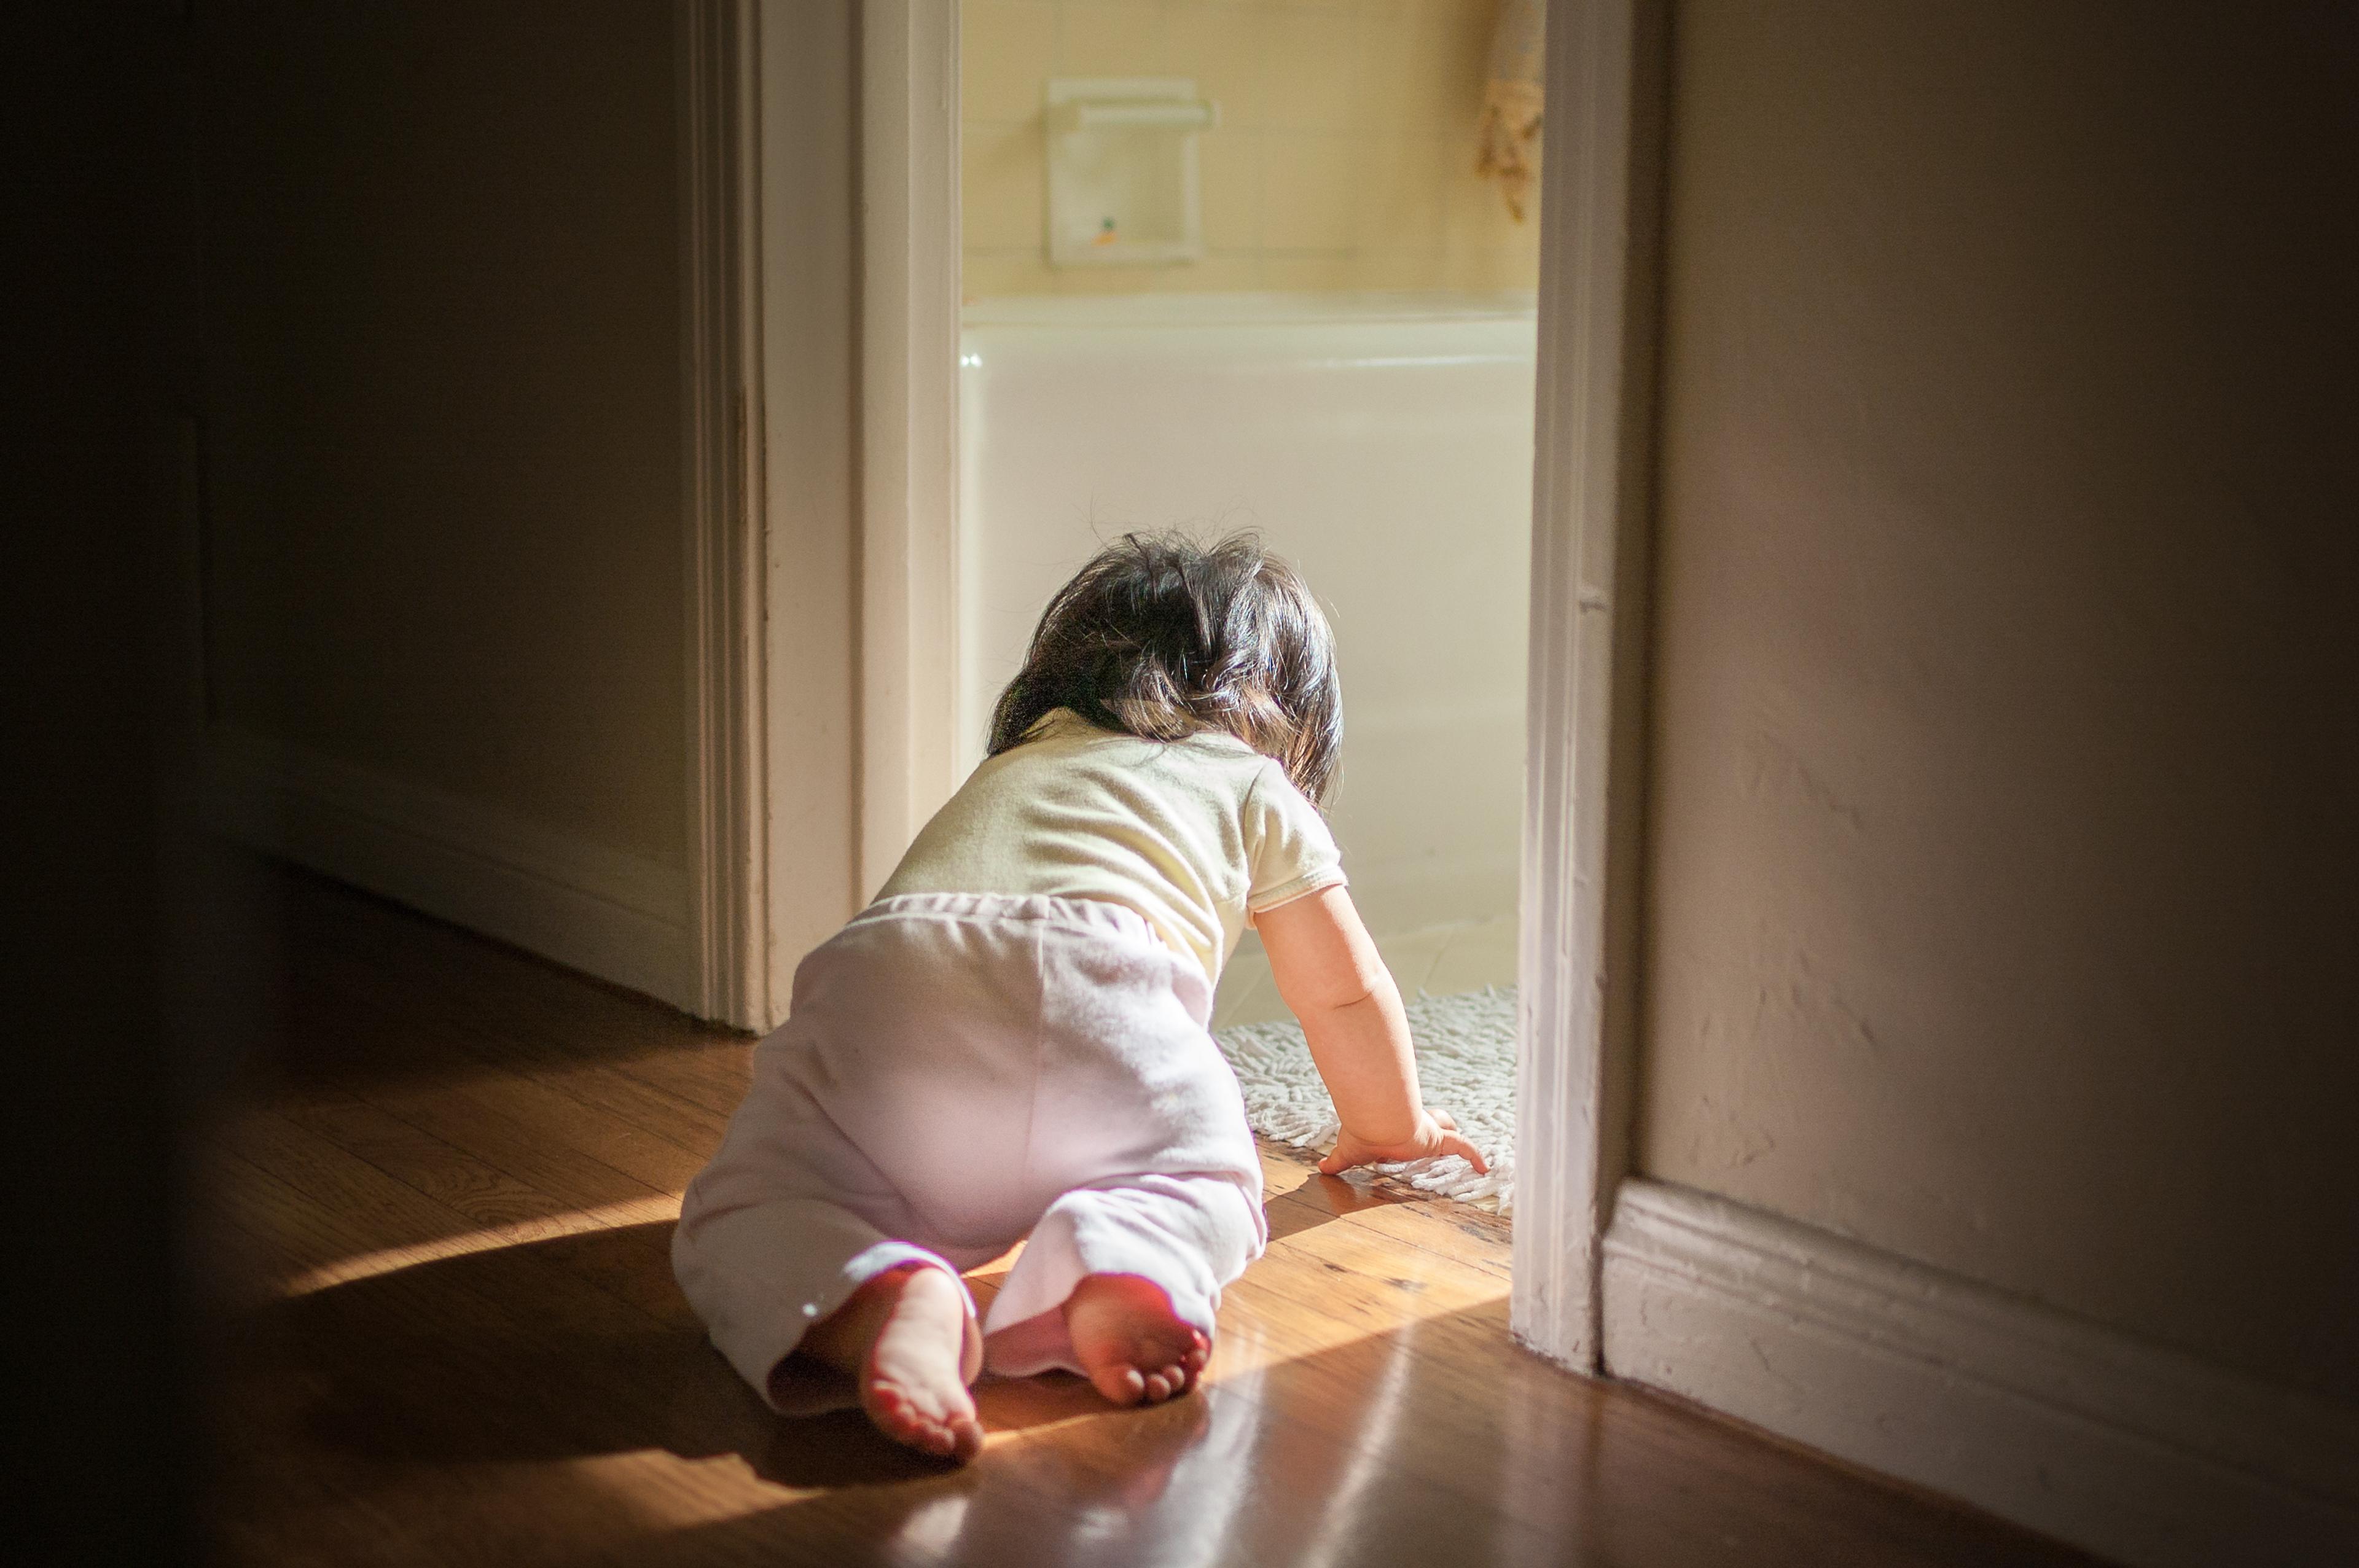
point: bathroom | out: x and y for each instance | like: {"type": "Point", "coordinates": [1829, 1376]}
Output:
{"type": "Point", "coordinates": [1272, 290]}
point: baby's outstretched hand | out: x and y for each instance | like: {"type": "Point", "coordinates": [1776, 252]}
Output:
{"type": "Point", "coordinates": [1436, 1133]}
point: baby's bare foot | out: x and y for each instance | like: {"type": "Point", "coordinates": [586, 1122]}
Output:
{"type": "Point", "coordinates": [1135, 1348]}
{"type": "Point", "coordinates": [903, 1337]}
{"type": "Point", "coordinates": [910, 1386]}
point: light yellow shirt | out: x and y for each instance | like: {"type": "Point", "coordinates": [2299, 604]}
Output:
{"type": "Point", "coordinates": [1199, 835]}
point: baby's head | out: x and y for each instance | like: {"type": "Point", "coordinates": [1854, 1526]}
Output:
{"type": "Point", "coordinates": [1162, 637]}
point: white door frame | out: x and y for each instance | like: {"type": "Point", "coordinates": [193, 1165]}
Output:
{"type": "Point", "coordinates": [1584, 791]}
{"type": "Point", "coordinates": [909, 438]}
{"type": "Point", "coordinates": [848, 697]}
{"type": "Point", "coordinates": [820, 261]}
{"type": "Point", "coordinates": [725, 535]}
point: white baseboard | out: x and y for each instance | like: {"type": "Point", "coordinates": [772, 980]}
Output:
{"type": "Point", "coordinates": [2130, 1450]}
{"type": "Point", "coordinates": [620, 918]}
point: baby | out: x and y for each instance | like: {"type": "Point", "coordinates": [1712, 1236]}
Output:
{"type": "Point", "coordinates": [1010, 1044]}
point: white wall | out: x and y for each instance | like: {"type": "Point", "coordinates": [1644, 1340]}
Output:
{"type": "Point", "coordinates": [442, 383]}
{"type": "Point", "coordinates": [2005, 726]}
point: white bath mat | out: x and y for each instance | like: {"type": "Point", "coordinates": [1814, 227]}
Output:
{"type": "Point", "coordinates": [1465, 1062]}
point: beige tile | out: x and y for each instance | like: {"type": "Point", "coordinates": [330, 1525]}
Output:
{"type": "Point", "coordinates": [1467, 271]}
{"type": "Point", "coordinates": [1424, 71]}
{"type": "Point", "coordinates": [1001, 275]}
{"type": "Point", "coordinates": [1307, 70]}
{"type": "Point", "coordinates": [1306, 192]}
{"type": "Point", "coordinates": [1309, 275]}
{"type": "Point", "coordinates": [1475, 213]}
{"type": "Point", "coordinates": [1222, 49]}
{"type": "Point", "coordinates": [1116, 279]}
{"type": "Point", "coordinates": [1383, 67]}
{"type": "Point", "coordinates": [1520, 259]}
{"type": "Point", "coordinates": [1006, 53]}
{"type": "Point", "coordinates": [1524, 249]}
{"type": "Point", "coordinates": [1457, 39]}
{"type": "Point", "coordinates": [1233, 273]}
{"type": "Point", "coordinates": [1492, 270]}
{"type": "Point", "coordinates": [1394, 270]}
{"type": "Point", "coordinates": [1001, 187]}
{"type": "Point", "coordinates": [1230, 161]}
{"type": "Point", "coordinates": [1111, 39]}
{"type": "Point", "coordinates": [1307, 206]}
{"type": "Point", "coordinates": [1497, 256]}
{"type": "Point", "coordinates": [1399, 181]}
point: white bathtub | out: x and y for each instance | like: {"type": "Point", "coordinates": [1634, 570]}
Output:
{"type": "Point", "coordinates": [1382, 443]}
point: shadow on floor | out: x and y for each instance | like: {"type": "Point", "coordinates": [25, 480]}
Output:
{"type": "Point", "coordinates": [1430, 1441]}
{"type": "Point", "coordinates": [354, 990]}
{"type": "Point", "coordinates": [564, 1348]}
{"type": "Point", "coordinates": [572, 1347]}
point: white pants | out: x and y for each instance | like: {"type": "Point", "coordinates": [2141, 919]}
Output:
{"type": "Point", "coordinates": [962, 1072]}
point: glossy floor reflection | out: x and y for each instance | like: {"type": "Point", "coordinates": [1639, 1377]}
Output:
{"type": "Point", "coordinates": [447, 1334]}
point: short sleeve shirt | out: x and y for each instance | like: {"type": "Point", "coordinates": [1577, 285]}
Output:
{"type": "Point", "coordinates": [1200, 836]}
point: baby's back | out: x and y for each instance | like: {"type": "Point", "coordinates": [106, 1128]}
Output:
{"type": "Point", "coordinates": [1186, 832]}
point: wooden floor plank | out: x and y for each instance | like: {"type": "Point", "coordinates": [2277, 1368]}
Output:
{"type": "Point", "coordinates": [526, 1150]}
{"type": "Point", "coordinates": [459, 1344]}
{"type": "Point", "coordinates": [544, 1112]}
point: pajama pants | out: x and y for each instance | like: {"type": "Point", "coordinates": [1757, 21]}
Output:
{"type": "Point", "coordinates": [961, 1072]}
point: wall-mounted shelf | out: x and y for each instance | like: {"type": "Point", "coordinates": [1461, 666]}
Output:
{"type": "Point", "coordinates": [1124, 183]}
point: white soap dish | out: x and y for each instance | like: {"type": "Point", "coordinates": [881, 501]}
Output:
{"type": "Point", "coordinates": [1124, 188]}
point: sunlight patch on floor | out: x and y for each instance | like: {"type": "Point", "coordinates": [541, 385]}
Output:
{"type": "Point", "coordinates": [516, 1233]}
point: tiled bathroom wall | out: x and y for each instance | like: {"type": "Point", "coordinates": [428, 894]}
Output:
{"type": "Point", "coordinates": [1344, 158]}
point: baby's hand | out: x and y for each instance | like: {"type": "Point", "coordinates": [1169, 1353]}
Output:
{"type": "Point", "coordinates": [1436, 1133]}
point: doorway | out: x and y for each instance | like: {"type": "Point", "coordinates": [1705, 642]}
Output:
{"type": "Point", "coordinates": [1580, 785]}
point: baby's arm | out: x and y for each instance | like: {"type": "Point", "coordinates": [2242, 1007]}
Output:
{"type": "Point", "coordinates": [1328, 970]}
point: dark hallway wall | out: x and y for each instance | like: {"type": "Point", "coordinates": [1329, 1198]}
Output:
{"type": "Point", "coordinates": [2007, 717]}
{"type": "Point", "coordinates": [442, 398]}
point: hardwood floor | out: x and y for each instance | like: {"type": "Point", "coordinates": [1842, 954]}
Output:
{"type": "Point", "coordinates": [445, 1331]}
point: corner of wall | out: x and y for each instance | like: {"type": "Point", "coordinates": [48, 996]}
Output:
{"type": "Point", "coordinates": [2057, 1423]}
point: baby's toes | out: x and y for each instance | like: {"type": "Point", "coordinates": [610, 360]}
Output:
{"type": "Point", "coordinates": [894, 1417]}
{"type": "Point", "coordinates": [1122, 1385]}
{"type": "Point", "coordinates": [922, 1424]}
{"type": "Point", "coordinates": [926, 1434]}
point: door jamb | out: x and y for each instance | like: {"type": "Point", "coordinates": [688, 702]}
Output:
{"type": "Point", "coordinates": [821, 289]}
{"type": "Point", "coordinates": [892, 567]}
{"type": "Point", "coordinates": [909, 286]}
{"type": "Point", "coordinates": [725, 533]}
{"type": "Point", "coordinates": [1585, 788]}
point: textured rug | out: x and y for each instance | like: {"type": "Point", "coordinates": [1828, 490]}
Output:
{"type": "Point", "coordinates": [1465, 1062]}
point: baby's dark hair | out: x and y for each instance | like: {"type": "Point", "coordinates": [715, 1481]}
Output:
{"type": "Point", "coordinates": [1161, 637]}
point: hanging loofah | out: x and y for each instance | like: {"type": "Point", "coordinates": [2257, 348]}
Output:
{"type": "Point", "coordinates": [1465, 1063]}
{"type": "Point", "coordinates": [1513, 100]}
